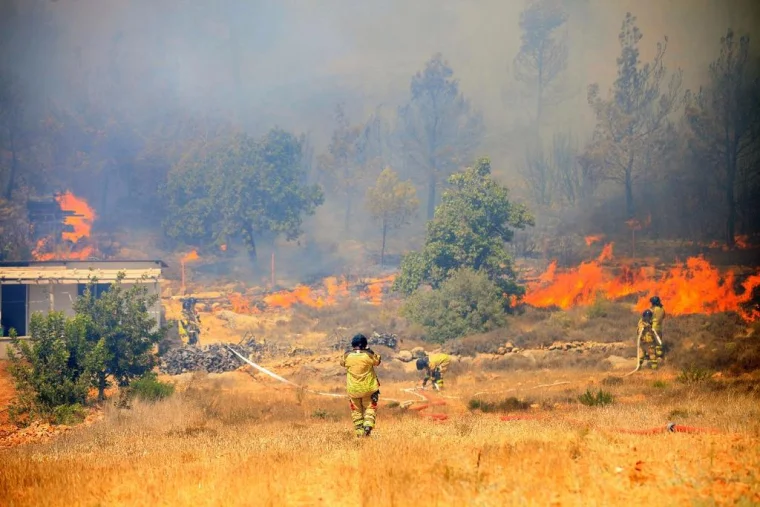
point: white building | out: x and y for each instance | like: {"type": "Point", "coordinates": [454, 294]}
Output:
{"type": "Point", "coordinates": [42, 286]}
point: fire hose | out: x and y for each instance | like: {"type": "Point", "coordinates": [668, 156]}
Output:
{"type": "Point", "coordinates": [638, 350]}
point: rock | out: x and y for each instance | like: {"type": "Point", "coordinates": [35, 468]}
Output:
{"type": "Point", "coordinates": [405, 356]}
{"type": "Point", "coordinates": [418, 352]}
{"type": "Point", "coordinates": [509, 345]}
{"type": "Point", "coordinates": [214, 358]}
{"type": "Point", "coordinates": [501, 351]}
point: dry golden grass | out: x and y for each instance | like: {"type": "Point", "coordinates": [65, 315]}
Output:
{"type": "Point", "coordinates": [230, 440]}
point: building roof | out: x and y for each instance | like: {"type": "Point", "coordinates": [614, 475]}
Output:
{"type": "Point", "coordinates": [66, 262]}
{"type": "Point", "coordinates": [56, 273]}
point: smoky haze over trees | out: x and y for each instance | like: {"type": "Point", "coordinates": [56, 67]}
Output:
{"type": "Point", "coordinates": [233, 124]}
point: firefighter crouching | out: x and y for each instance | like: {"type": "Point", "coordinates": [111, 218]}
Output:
{"type": "Point", "coordinates": [649, 349]}
{"type": "Point", "coordinates": [362, 384]}
{"type": "Point", "coordinates": [435, 366]}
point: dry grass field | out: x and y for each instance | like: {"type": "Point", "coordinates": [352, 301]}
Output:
{"type": "Point", "coordinates": [230, 439]}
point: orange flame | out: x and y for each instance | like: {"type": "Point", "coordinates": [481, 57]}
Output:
{"type": "Point", "coordinates": [333, 289]}
{"type": "Point", "coordinates": [192, 256]}
{"type": "Point", "coordinates": [594, 238]}
{"type": "Point", "coordinates": [694, 287]}
{"type": "Point", "coordinates": [81, 224]}
{"type": "Point", "coordinates": [46, 248]}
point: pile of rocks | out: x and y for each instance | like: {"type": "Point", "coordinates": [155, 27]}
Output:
{"type": "Point", "coordinates": [213, 358]}
{"type": "Point", "coordinates": [389, 340]}
{"type": "Point", "coordinates": [574, 346]}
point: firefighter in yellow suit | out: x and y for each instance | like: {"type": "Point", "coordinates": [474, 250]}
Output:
{"type": "Point", "coordinates": [658, 315]}
{"type": "Point", "coordinates": [649, 349]}
{"type": "Point", "coordinates": [362, 384]}
{"type": "Point", "coordinates": [435, 366]}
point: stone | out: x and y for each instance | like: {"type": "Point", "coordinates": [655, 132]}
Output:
{"type": "Point", "coordinates": [405, 356]}
{"type": "Point", "coordinates": [418, 352]}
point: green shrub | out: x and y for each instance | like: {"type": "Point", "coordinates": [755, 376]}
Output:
{"type": "Point", "coordinates": [50, 370]}
{"type": "Point", "coordinates": [693, 374]}
{"type": "Point", "coordinates": [600, 399]}
{"type": "Point", "coordinates": [68, 414]}
{"type": "Point", "coordinates": [149, 388]}
{"type": "Point", "coordinates": [466, 303]}
{"type": "Point", "coordinates": [510, 404]}
{"type": "Point", "coordinates": [660, 384]}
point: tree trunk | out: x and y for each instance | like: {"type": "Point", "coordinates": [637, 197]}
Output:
{"type": "Point", "coordinates": [629, 204]}
{"type": "Point", "coordinates": [731, 210]}
{"type": "Point", "coordinates": [251, 244]}
{"type": "Point", "coordinates": [432, 184]}
{"type": "Point", "coordinates": [382, 250]}
{"type": "Point", "coordinates": [101, 386]}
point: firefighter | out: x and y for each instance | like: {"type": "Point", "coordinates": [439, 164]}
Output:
{"type": "Point", "coordinates": [658, 314]}
{"type": "Point", "coordinates": [649, 349]}
{"type": "Point", "coordinates": [362, 385]}
{"type": "Point", "coordinates": [435, 366]}
{"type": "Point", "coordinates": [190, 324]}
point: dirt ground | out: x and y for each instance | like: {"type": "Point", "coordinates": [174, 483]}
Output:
{"type": "Point", "coordinates": [238, 439]}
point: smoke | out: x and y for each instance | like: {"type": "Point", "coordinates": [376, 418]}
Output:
{"type": "Point", "coordinates": [288, 62]}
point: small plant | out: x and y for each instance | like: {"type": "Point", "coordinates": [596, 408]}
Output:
{"type": "Point", "coordinates": [68, 414]}
{"type": "Point", "coordinates": [598, 310]}
{"type": "Point", "coordinates": [149, 388]}
{"type": "Point", "coordinates": [693, 375]}
{"type": "Point", "coordinates": [393, 404]}
{"type": "Point", "coordinates": [659, 384]}
{"type": "Point", "coordinates": [600, 399]}
{"type": "Point", "coordinates": [507, 405]}
{"type": "Point", "coordinates": [319, 414]}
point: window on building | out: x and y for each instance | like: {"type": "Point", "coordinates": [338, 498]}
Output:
{"type": "Point", "coordinates": [13, 309]}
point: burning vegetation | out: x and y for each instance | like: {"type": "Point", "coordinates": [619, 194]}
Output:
{"type": "Point", "coordinates": [694, 286]}
{"type": "Point", "coordinates": [72, 240]}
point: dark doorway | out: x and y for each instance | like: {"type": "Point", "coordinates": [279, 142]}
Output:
{"type": "Point", "coordinates": [13, 309]}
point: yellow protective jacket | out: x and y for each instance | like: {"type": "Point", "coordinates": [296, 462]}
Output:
{"type": "Point", "coordinates": [441, 361]}
{"type": "Point", "coordinates": [361, 378]}
{"type": "Point", "coordinates": [645, 330]}
{"type": "Point", "coordinates": [658, 315]}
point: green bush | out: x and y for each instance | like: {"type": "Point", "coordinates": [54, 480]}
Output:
{"type": "Point", "coordinates": [50, 370]}
{"type": "Point", "coordinates": [466, 303]}
{"type": "Point", "coordinates": [149, 388]}
{"type": "Point", "coordinates": [68, 414]}
{"type": "Point", "coordinates": [693, 374]}
{"type": "Point", "coordinates": [600, 399]}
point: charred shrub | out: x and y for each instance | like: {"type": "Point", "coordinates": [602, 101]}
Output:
{"type": "Point", "coordinates": [510, 404]}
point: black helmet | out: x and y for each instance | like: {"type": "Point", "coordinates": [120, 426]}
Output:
{"type": "Point", "coordinates": [655, 300]}
{"type": "Point", "coordinates": [647, 314]}
{"type": "Point", "coordinates": [359, 341]}
{"type": "Point", "coordinates": [422, 363]}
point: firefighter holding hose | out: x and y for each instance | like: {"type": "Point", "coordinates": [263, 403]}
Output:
{"type": "Point", "coordinates": [362, 384]}
{"type": "Point", "coordinates": [650, 348]}
{"type": "Point", "coordinates": [658, 315]}
{"type": "Point", "coordinates": [435, 366]}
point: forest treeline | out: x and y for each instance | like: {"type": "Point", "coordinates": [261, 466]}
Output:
{"type": "Point", "coordinates": [685, 162]}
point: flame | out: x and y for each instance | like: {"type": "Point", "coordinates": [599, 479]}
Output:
{"type": "Point", "coordinates": [81, 224]}
{"type": "Point", "coordinates": [192, 256]}
{"type": "Point", "coordinates": [693, 287]}
{"type": "Point", "coordinates": [77, 241]}
{"type": "Point", "coordinates": [223, 248]}
{"type": "Point", "coordinates": [594, 238]}
{"type": "Point", "coordinates": [331, 291]}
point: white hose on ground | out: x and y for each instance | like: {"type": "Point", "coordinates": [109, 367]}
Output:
{"type": "Point", "coordinates": [286, 381]}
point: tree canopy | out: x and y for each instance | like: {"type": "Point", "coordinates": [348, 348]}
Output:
{"type": "Point", "coordinates": [471, 228]}
{"type": "Point", "coordinates": [240, 188]}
